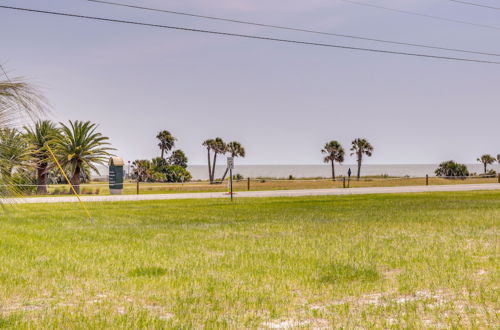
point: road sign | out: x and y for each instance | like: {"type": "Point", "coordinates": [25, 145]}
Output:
{"type": "Point", "coordinates": [230, 163]}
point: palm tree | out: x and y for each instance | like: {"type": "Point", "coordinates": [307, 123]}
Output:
{"type": "Point", "coordinates": [360, 147]}
{"type": "Point", "coordinates": [43, 132]}
{"type": "Point", "coordinates": [14, 152]}
{"type": "Point", "coordinates": [235, 149]}
{"type": "Point", "coordinates": [141, 169]}
{"type": "Point", "coordinates": [167, 142]}
{"type": "Point", "coordinates": [79, 146]}
{"type": "Point", "coordinates": [209, 144]}
{"type": "Point", "coordinates": [486, 160]}
{"type": "Point", "coordinates": [218, 146]}
{"type": "Point", "coordinates": [178, 158]}
{"type": "Point", "coordinates": [335, 153]}
{"type": "Point", "coordinates": [18, 98]}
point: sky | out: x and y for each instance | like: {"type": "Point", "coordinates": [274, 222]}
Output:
{"type": "Point", "coordinates": [283, 102]}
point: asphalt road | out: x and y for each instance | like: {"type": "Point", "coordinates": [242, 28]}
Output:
{"type": "Point", "coordinates": [257, 194]}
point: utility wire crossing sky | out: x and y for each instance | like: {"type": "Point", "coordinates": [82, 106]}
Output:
{"type": "Point", "coordinates": [291, 28]}
{"type": "Point", "coordinates": [418, 79]}
{"type": "Point", "coordinates": [229, 34]}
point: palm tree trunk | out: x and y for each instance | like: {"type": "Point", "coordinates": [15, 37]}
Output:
{"type": "Point", "coordinates": [359, 166]}
{"type": "Point", "coordinates": [213, 167]}
{"type": "Point", "coordinates": [225, 173]}
{"type": "Point", "coordinates": [333, 171]}
{"type": "Point", "coordinates": [209, 167]}
{"type": "Point", "coordinates": [485, 169]}
{"type": "Point", "coordinates": [75, 180]}
{"type": "Point", "coordinates": [41, 180]}
{"type": "Point", "coordinates": [162, 153]}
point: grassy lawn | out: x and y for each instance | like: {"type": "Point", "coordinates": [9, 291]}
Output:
{"type": "Point", "coordinates": [415, 260]}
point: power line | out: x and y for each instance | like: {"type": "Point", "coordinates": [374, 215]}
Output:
{"type": "Point", "coordinates": [373, 50]}
{"type": "Point", "coordinates": [421, 15]}
{"type": "Point", "coordinates": [292, 28]}
{"type": "Point", "coordinates": [475, 4]}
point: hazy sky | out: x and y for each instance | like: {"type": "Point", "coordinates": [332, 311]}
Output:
{"type": "Point", "coordinates": [281, 101]}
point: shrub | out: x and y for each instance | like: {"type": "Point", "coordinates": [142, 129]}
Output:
{"type": "Point", "coordinates": [175, 173]}
{"type": "Point", "coordinates": [452, 169]}
{"type": "Point", "coordinates": [158, 177]}
{"type": "Point", "coordinates": [490, 173]}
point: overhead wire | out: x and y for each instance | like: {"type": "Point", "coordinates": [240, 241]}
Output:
{"type": "Point", "coordinates": [475, 4]}
{"type": "Point", "coordinates": [281, 27]}
{"type": "Point", "coordinates": [290, 41]}
{"type": "Point", "coordinates": [408, 12]}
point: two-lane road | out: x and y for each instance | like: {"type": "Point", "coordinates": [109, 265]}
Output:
{"type": "Point", "coordinates": [257, 194]}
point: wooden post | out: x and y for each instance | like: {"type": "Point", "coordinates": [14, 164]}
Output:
{"type": "Point", "coordinates": [343, 181]}
{"type": "Point", "coordinates": [427, 179]}
{"type": "Point", "coordinates": [137, 187]}
{"type": "Point", "coordinates": [248, 183]}
{"type": "Point", "coordinates": [231, 182]}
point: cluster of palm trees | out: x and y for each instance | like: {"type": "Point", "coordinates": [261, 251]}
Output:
{"type": "Point", "coordinates": [488, 159]}
{"type": "Point", "coordinates": [336, 153]}
{"type": "Point", "coordinates": [217, 147]}
{"type": "Point", "coordinates": [30, 155]}
{"type": "Point", "coordinates": [163, 168]}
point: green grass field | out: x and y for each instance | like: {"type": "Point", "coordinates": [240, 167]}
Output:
{"type": "Point", "coordinates": [416, 260]}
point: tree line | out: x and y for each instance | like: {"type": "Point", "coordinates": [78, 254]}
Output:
{"type": "Point", "coordinates": [165, 168]}
{"type": "Point", "coordinates": [25, 159]}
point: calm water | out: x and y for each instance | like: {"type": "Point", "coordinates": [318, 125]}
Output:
{"type": "Point", "coordinates": [200, 172]}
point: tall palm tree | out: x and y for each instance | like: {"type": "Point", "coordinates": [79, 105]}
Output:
{"type": "Point", "coordinates": [79, 146]}
{"type": "Point", "coordinates": [219, 148]}
{"type": "Point", "coordinates": [486, 160]}
{"type": "Point", "coordinates": [43, 132]}
{"type": "Point", "coordinates": [167, 142]}
{"type": "Point", "coordinates": [360, 147]}
{"type": "Point", "coordinates": [334, 153]}
{"type": "Point", "coordinates": [209, 144]}
{"type": "Point", "coordinates": [235, 149]}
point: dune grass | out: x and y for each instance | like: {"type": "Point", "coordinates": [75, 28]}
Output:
{"type": "Point", "coordinates": [411, 260]}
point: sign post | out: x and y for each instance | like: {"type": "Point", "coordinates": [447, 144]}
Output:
{"type": "Point", "coordinates": [230, 166]}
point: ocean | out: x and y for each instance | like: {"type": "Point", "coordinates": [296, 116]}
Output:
{"type": "Point", "coordinates": [200, 172]}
